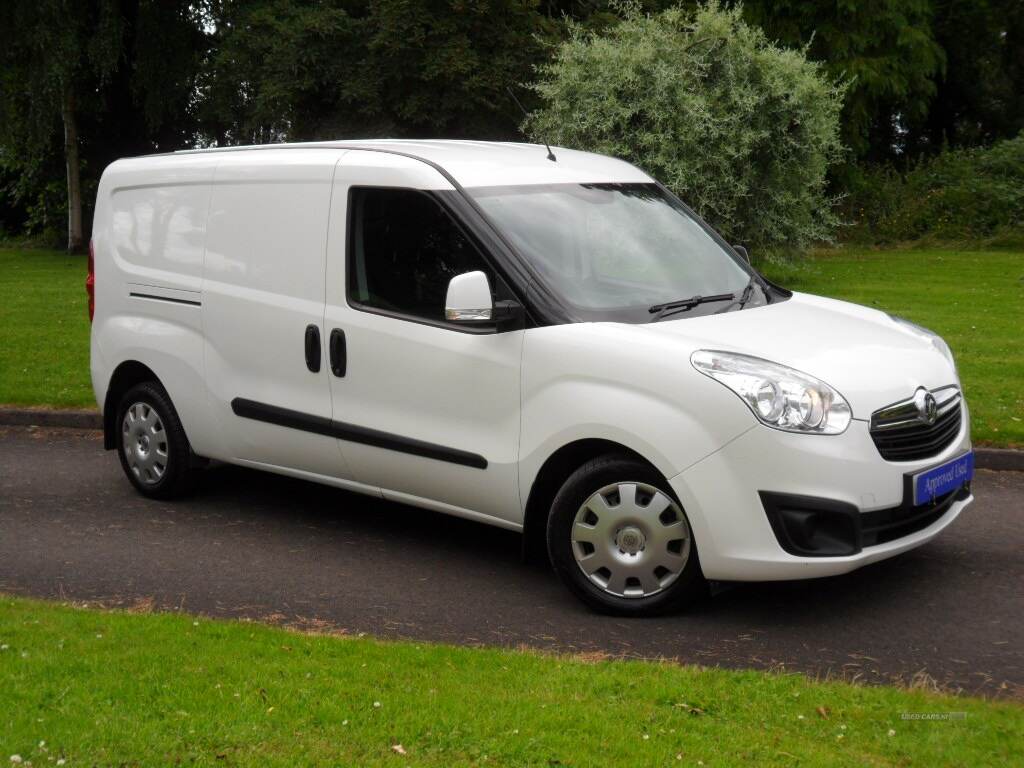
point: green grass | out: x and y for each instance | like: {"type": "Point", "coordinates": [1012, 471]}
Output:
{"type": "Point", "coordinates": [975, 299]}
{"type": "Point", "coordinates": [113, 688]}
{"type": "Point", "coordinates": [44, 330]}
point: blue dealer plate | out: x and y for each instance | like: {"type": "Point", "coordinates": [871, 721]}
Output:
{"type": "Point", "coordinates": [940, 480]}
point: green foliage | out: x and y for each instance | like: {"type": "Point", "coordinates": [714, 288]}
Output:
{"type": "Point", "coordinates": [742, 130]}
{"type": "Point", "coordinates": [885, 49]}
{"type": "Point", "coordinates": [321, 70]}
{"type": "Point", "coordinates": [49, 49]}
{"type": "Point", "coordinates": [159, 75]}
{"type": "Point", "coordinates": [960, 195]}
{"type": "Point", "coordinates": [127, 71]}
{"type": "Point", "coordinates": [34, 196]}
{"type": "Point", "coordinates": [443, 65]}
{"type": "Point", "coordinates": [980, 97]}
{"type": "Point", "coordinates": [281, 70]}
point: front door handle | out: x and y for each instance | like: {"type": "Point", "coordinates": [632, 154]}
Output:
{"type": "Point", "coordinates": [313, 348]}
{"type": "Point", "coordinates": [339, 353]}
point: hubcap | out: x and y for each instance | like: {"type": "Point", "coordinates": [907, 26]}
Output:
{"type": "Point", "coordinates": [145, 443]}
{"type": "Point", "coordinates": [631, 540]}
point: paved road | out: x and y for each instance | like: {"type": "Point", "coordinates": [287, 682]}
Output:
{"type": "Point", "coordinates": [282, 550]}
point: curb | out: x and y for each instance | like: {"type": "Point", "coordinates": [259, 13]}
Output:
{"type": "Point", "coordinates": [46, 417]}
{"type": "Point", "coordinates": [999, 459]}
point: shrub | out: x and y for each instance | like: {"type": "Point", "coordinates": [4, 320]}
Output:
{"type": "Point", "coordinates": [742, 130]}
{"type": "Point", "coordinates": [961, 195]}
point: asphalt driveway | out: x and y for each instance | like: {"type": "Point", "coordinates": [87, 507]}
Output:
{"type": "Point", "coordinates": [270, 548]}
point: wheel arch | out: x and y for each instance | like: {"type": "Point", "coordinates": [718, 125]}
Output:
{"type": "Point", "coordinates": [552, 474]}
{"type": "Point", "coordinates": [125, 376]}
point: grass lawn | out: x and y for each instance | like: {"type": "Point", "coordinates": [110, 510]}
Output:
{"type": "Point", "coordinates": [44, 330]}
{"type": "Point", "coordinates": [113, 688]}
{"type": "Point", "coordinates": [975, 299]}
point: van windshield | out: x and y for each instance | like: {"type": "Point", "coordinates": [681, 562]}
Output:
{"type": "Point", "coordinates": [612, 251]}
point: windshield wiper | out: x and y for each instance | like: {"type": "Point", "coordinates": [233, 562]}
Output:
{"type": "Point", "coordinates": [682, 305]}
{"type": "Point", "coordinates": [748, 292]}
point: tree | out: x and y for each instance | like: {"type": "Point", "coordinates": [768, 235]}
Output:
{"type": "Point", "coordinates": [91, 81]}
{"type": "Point", "coordinates": [335, 69]}
{"type": "Point", "coordinates": [52, 51]}
{"type": "Point", "coordinates": [980, 96]}
{"type": "Point", "coordinates": [281, 70]}
{"type": "Point", "coordinates": [444, 66]}
{"type": "Point", "coordinates": [741, 129]}
{"type": "Point", "coordinates": [885, 49]}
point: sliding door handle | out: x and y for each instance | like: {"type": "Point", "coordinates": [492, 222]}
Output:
{"type": "Point", "coordinates": [313, 348]}
{"type": "Point", "coordinates": [339, 353]}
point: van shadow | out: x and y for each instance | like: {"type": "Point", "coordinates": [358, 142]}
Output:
{"type": "Point", "coordinates": [418, 542]}
{"type": "Point", "coordinates": [283, 501]}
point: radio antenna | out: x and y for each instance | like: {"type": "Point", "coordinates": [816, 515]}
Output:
{"type": "Point", "coordinates": [551, 155]}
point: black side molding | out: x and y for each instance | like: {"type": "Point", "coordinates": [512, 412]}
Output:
{"type": "Point", "coordinates": [321, 425]}
{"type": "Point", "coordinates": [282, 417]}
{"type": "Point", "coordinates": [165, 298]}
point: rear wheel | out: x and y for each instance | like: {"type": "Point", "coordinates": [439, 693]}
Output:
{"type": "Point", "coordinates": [151, 443]}
{"type": "Point", "coordinates": [620, 540]}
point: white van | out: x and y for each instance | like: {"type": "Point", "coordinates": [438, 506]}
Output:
{"type": "Point", "coordinates": [558, 347]}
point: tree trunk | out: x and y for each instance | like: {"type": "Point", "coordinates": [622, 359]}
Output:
{"type": "Point", "coordinates": [75, 244]}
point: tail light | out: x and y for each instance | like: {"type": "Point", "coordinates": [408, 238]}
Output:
{"type": "Point", "coordinates": [90, 281]}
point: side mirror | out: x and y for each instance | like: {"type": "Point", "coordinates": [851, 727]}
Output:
{"type": "Point", "coordinates": [469, 299]}
{"type": "Point", "coordinates": [742, 252]}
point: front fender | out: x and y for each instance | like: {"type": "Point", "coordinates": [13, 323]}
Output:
{"type": "Point", "coordinates": [600, 381]}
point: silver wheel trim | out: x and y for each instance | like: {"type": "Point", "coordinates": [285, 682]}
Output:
{"type": "Point", "coordinates": [631, 540]}
{"type": "Point", "coordinates": [145, 443]}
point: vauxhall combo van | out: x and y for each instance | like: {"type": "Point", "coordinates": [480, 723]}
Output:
{"type": "Point", "coordinates": [552, 343]}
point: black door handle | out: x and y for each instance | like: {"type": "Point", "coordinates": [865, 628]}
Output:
{"type": "Point", "coordinates": [313, 348]}
{"type": "Point", "coordinates": [339, 354]}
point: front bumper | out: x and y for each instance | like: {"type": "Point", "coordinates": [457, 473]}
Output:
{"type": "Point", "coordinates": [722, 498]}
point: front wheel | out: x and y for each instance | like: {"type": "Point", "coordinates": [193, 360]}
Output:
{"type": "Point", "coordinates": [151, 443]}
{"type": "Point", "coordinates": [621, 542]}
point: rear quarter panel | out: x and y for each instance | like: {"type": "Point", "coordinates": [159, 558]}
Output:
{"type": "Point", "coordinates": [149, 235]}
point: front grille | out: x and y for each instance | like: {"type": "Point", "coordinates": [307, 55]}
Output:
{"type": "Point", "coordinates": [901, 435]}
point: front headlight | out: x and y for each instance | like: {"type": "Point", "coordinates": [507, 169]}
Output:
{"type": "Point", "coordinates": [778, 395]}
{"type": "Point", "coordinates": [936, 341]}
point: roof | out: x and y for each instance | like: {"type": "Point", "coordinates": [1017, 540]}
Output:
{"type": "Point", "coordinates": [487, 163]}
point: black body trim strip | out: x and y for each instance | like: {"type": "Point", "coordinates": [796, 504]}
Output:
{"type": "Point", "coordinates": [848, 530]}
{"type": "Point", "coordinates": [165, 298]}
{"type": "Point", "coordinates": [321, 425]}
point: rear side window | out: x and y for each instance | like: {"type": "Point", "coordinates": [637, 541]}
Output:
{"type": "Point", "coordinates": [404, 248]}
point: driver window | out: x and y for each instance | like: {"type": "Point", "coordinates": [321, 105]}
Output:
{"type": "Point", "coordinates": [404, 248]}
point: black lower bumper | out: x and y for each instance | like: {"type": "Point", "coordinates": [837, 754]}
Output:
{"type": "Point", "coordinates": [812, 527]}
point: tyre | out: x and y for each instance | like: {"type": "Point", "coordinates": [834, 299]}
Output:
{"type": "Point", "coordinates": [619, 539]}
{"type": "Point", "coordinates": [155, 453]}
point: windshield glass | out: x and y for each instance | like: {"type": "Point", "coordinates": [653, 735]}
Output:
{"type": "Point", "coordinates": [612, 251]}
